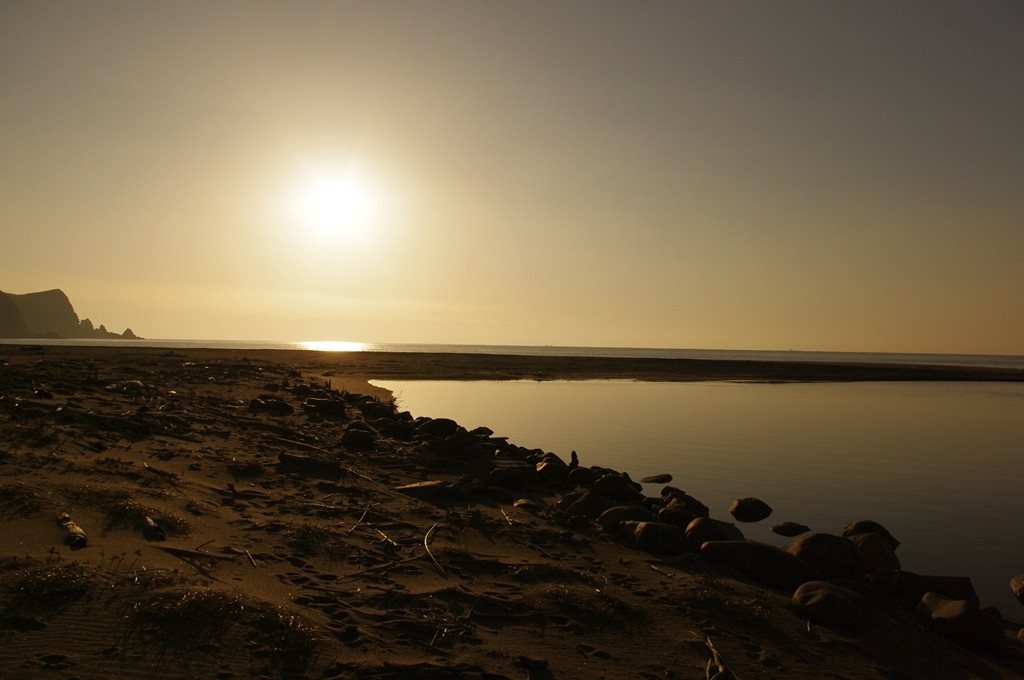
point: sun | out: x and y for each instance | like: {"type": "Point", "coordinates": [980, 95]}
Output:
{"type": "Point", "coordinates": [336, 206]}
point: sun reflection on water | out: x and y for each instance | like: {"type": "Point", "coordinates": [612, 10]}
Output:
{"type": "Point", "coordinates": [333, 346]}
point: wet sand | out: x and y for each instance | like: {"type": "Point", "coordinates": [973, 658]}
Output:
{"type": "Point", "coordinates": [235, 538]}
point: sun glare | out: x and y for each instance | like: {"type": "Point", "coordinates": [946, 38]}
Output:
{"type": "Point", "coordinates": [336, 206]}
{"type": "Point", "coordinates": [333, 346]}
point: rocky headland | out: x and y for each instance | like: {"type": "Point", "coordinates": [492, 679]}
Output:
{"type": "Point", "coordinates": [47, 314]}
{"type": "Point", "coordinates": [227, 515]}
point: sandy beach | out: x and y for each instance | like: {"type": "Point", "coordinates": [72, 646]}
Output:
{"type": "Point", "coordinates": [242, 514]}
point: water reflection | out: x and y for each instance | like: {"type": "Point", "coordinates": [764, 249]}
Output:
{"type": "Point", "coordinates": [939, 464]}
{"type": "Point", "coordinates": [333, 346]}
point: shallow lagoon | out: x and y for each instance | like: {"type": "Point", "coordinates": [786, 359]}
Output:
{"type": "Point", "coordinates": [940, 464]}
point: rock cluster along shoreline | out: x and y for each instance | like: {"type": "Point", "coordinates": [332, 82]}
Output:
{"type": "Point", "coordinates": [302, 529]}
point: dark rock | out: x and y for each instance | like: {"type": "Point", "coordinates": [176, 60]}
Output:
{"type": "Point", "coordinates": [993, 611]}
{"type": "Point", "coordinates": [617, 488]}
{"type": "Point", "coordinates": [866, 526]}
{"type": "Point", "coordinates": [636, 485]}
{"type": "Point", "coordinates": [591, 505]}
{"type": "Point", "coordinates": [660, 539]}
{"type": "Point", "coordinates": [552, 474]}
{"type": "Point", "coordinates": [790, 529]}
{"type": "Point", "coordinates": [962, 622]}
{"type": "Point", "coordinates": [482, 431]}
{"type": "Point", "coordinates": [667, 491]}
{"type": "Point", "coordinates": [875, 553]}
{"type": "Point", "coordinates": [358, 440]}
{"type": "Point", "coordinates": [704, 529]}
{"type": "Point", "coordinates": [750, 510]}
{"type": "Point", "coordinates": [457, 444]}
{"type": "Point", "coordinates": [657, 479]}
{"type": "Point", "coordinates": [834, 556]}
{"type": "Point", "coordinates": [584, 477]}
{"type": "Point", "coordinates": [679, 499]}
{"type": "Point", "coordinates": [554, 460]}
{"type": "Point", "coordinates": [827, 604]}
{"type": "Point", "coordinates": [512, 476]}
{"type": "Point", "coordinates": [761, 563]}
{"type": "Point", "coordinates": [439, 427]}
{"type": "Point", "coordinates": [566, 501]}
{"type": "Point", "coordinates": [1017, 586]}
{"type": "Point", "coordinates": [910, 587]}
{"type": "Point", "coordinates": [574, 462]}
{"type": "Point", "coordinates": [613, 517]}
{"type": "Point", "coordinates": [334, 408]}
{"type": "Point", "coordinates": [681, 517]}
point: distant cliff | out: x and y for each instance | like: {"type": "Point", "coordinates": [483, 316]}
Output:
{"type": "Point", "coordinates": [47, 314]}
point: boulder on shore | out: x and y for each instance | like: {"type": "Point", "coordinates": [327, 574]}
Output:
{"type": "Point", "coordinates": [704, 529]}
{"type": "Point", "coordinates": [875, 553]}
{"type": "Point", "coordinates": [910, 587]}
{"type": "Point", "coordinates": [834, 556]}
{"type": "Point", "coordinates": [761, 563]}
{"type": "Point", "coordinates": [613, 517]}
{"type": "Point", "coordinates": [866, 526]}
{"type": "Point", "coordinates": [750, 510]}
{"type": "Point", "coordinates": [618, 488]}
{"type": "Point", "coordinates": [962, 622]}
{"type": "Point", "coordinates": [827, 604]}
{"type": "Point", "coordinates": [658, 538]}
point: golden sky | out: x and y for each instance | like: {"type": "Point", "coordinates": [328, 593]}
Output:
{"type": "Point", "coordinates": [806, 175]}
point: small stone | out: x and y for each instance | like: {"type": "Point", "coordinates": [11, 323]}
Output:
{"type": "Point", "coordinates": [657, 479]}
{"type": "Point", "coordinates": [790, 529]}
{"type": "Point", "coordinates": [750, 510]}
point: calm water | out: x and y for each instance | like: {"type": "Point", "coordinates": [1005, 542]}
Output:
{"type": "Point", "coordinates": [939, 464]}
{"type": "Point", "coordinates": [992, 360]}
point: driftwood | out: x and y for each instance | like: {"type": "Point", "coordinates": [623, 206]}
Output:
{"type": "Point", "coordinates": [426, 546]}
{"type": "Point", "coordinates": [193, 554]}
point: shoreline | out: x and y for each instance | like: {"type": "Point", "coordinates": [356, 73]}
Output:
{"type": "Point", "coordinates": [437, 366]}
{"type": "Point", "coordinates": [244, 518]}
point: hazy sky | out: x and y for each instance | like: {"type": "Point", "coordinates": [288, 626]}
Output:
{"type": "Point", "coordinates": [806, 175]}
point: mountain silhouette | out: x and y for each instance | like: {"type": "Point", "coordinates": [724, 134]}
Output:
{"type": "Point", "coordinates": [47, 314]}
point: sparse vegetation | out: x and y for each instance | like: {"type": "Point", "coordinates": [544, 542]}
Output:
{"type": "Point", "coordinates": [288, 643]}
{"type": "Point", "coordinates": [182, 620]}
{"type": "Point", "coordinates": [53, 585]}
{"type": "Point", "coordinates": [18, 500]}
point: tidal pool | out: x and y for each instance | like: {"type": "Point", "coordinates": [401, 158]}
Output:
{"type": "Point", "coordinates": [941, 465]}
